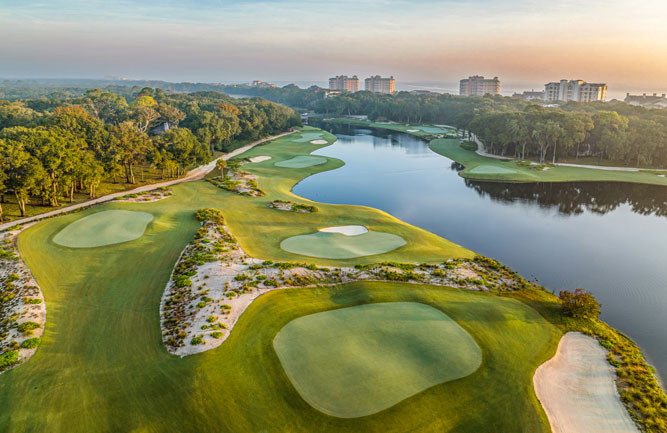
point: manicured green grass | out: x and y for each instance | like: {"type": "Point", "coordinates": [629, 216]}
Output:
{"type": "Point", "coordinates": [104, 228]}
{"type": "Point", "coordinates": [307, 136]}
{"type": "Point", "coordinates": [301, 162]}
{"type": "Point", "coordinates": [102, 366]}
{"type": "Point", "coordinates": [340, 246]}
{"type": "Point", "coordinates": [357, 361]}
{"type": "Point", "coordinates": [512, 171]}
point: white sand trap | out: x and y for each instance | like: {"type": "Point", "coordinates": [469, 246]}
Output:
{"type": "Point", "coordinates": [318, 142]}
{"type": "Point", "coordinates": [577, 389]}
{"type": "Point", "coordinates": [260, 158]}
{"type": "Point", "coordinates": [490, 169]}
{"type": "Point", "coordinates": [346, 230]}
{"type": "Point", "coordinates": [413, 130]}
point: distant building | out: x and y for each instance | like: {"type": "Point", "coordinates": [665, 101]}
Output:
{"type": "Point", "coordinates": [327, 92]}
{"type": "Point", "coordinates": [530, 96]}
{"type": "Point", "coordinates": [378, 84]}
{"type": "Point", "coordinates": [344, 83]}
{"type": "Point", "coordinates": [479, 86]}
{"type": "Point", "coordinates": [160, 129]}
{"type": "Point", "coordinates": [654, 101]}
{"type": "Point", "coordinates": [575, 90]}
{"type": "Point", "coordinates": [262, 84]}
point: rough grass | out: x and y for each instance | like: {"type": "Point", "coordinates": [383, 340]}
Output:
{"type": "Point", "coordinates": [104, 228]}
{"type": "Point", "coordinates": [357, 361]}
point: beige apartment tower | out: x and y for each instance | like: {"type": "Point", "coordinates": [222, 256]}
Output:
{"type": "Point", "coordinates": [574, 90]}
{"type": "Point", "coordinates": [479, 86]}
{"type": "Point", "coordinates": [378, 84]}
{"type": "Point", "coordinates": [344, 83]}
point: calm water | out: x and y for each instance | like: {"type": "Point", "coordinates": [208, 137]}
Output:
{"type": "Point", "coordinates": [610, 239]}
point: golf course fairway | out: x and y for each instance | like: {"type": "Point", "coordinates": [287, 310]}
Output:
{"type": "Point", "coordinates": [102, 366]}
{"type": "Point", "coordinates": [104, 228]}
{"type": "Point", "coordinates": [341, 246]}
{"type": "Point", "coordinates": [357, 361]}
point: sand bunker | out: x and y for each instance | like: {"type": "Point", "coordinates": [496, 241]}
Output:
{"type": "Point", "coordinates": [346, 230]}
{"type": "Point", "coordinates": [104, 228]}
{"type": "Point", "coordinates": [308, 136]}
{"type": "Point", "coordinates": [259, 158]}
{"type": "Point", "coordinates": [301, 162]}
{"type": "Point", "coordinates": [577, 389]}
{"type": "Point", "coordinates": [318, 142]}
{"type": "Point", "coordinates": [413, 130]}
{"type": "Point", "coordinates": [356, 361]}
{"type": "Point", "coordinates": [338, 245]}
{"type": "Point", "coordinates": [491, 169]}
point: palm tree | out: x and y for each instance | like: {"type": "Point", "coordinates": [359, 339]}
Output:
{"type": "Point", "coordinates": [220, 164]}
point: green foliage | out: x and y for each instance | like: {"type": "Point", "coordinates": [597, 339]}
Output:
{"type": "Point", "coordinates": [31, 343]}
{"type": "Point", "coordinates": [196, 340]}
{"type": "Point", "coordinates": [580, 304]}
{"type": "Point", "coordinates": [469, 145]}
{"type": "Point", "coordinates": [8, 359]}
{"type": "Point", "coordinates": [27, 327]}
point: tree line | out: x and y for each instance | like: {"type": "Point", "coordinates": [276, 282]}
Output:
{"type": "Point", "coordinates": [52, 149]}
{"type": "Point", "coordinates": [618, 132]}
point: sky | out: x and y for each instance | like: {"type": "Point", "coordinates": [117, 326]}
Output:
{"type": "Point", "coordinates": [525, 43]}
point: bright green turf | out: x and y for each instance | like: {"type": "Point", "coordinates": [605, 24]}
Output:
{"type": "Point", "coordinates": [104, 228]}
{"type": "Point", "coordinates": [490, 169]}
{"type": "Point", "coordinates": [340, 246]}
{"type": "Point", "coordinates": [307, 136]}
{"type": "Point", "coordinates": [357, 361]}
{"type": "Point", "coordinates": [301, 162]}
{"type": "Point", "coordinates": [102, 367]}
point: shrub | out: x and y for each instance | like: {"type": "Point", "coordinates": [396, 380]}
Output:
{"type": "Point", "coordinates": [8, 359]}
{"type": "Point", "coordinates": [469, 145]}
{"type": "Point", "coordinates": [27, 327]}
{"type": "Point", "coordinates": [216, 334]}
{"type": "Point", "coordinates": [580, 304]}
{"type": "Point", "coordinates": [31, 343]}
{"type": "Point", "coordinates": [12, 277]}
{"type": "Point", "coordinates": [210, 319]}
{"type": "Point", "coordinates": [196, 340]}
{"type": "Point", "coordinates": [34, 301]}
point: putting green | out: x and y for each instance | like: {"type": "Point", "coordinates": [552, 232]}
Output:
{"type": "Point", "coordinates": [301, 162]}
{"type": "Point", "coordinates": [357, 361]}
{"type": "Point", "coordinates": [104, 228]}
{"type": "Point", "coordinates": [307, 136]}
{"type": "Point", "coordinates": [491, 169]}
{"type": "Point", "coordinates": [333, 245]}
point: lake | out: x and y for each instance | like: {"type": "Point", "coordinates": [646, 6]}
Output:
{"type": "Point", "coordinates": [610, 239]}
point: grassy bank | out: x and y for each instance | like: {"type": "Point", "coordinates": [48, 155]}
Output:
{"type": "Point", "coordinates": [483, 168]}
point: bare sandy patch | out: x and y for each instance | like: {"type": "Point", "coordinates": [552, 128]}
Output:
{"type": "Point", "coordinates": [318, 142]}
{"type": "Point", "coordinates": [146, 196]}
{"type": "Point", "coordinates": [577, 389]}
{"type": "Point", "coordinates": [259, 158]}
{"type": "Point", "coordinates": [352, 230]}
{"type": "Point", "coordinates": [413, 130]}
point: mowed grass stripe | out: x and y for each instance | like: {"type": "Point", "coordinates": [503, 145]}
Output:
{"type": "Point", "coordinates": [357, 361]}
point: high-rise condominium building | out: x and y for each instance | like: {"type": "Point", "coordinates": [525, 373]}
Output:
{"type": "Point", "coordinates": [344, 83]}
{"type": "Point", "coordinates": [575, 90]}
{"type": "Point", "coordinates": [380, 85]}
{"type": "Point", "coordinates": [479, 86]}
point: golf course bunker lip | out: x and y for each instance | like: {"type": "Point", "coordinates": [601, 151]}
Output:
{"type": "Point", "coordinates": [360, 360]}
{"type": "Point", "coordinates": [104, 228]}
{"type": "Point", "coordinates": [302, 161]}
{"type": "Point", "coordinates": [338, 245]}
{"type": "Point", "coordinates": [490, 169]}
{"type": "Point", "coordinates": [318, 142]}
{"type": "Point", "coordinates": [346, 230]}
{"type": "Point", "coordinates": [259, 158]}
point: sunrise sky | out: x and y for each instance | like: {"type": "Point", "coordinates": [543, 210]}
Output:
{"type": "Point", "coordinates": [525, 43]}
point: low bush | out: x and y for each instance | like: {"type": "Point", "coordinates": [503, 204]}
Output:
{"type": "Point", "coordinates": [27, 327]}
{"type": "Point", "coordinates": [31, 343]}
{"type": "Point", "coordinates": [196, 340]}
{"type": "Point", "coordinates": [8, 359]}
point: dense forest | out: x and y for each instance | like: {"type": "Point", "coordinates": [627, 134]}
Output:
{"type": "Point", "coordinates": [52, 148]}
{"type": "Point", "coordinates": [617, 132]}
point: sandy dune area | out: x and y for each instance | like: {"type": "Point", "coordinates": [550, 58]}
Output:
{"type": "Point", "coordinates": [577, 389]}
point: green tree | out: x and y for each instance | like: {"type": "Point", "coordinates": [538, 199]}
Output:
{"type": "Point", "coordinates": [580, 304]}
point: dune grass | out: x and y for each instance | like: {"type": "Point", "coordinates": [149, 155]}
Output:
{"type": "Point", "coordinates": [104, 228]}
{"type": "Point", "coordinates": [357, 361]}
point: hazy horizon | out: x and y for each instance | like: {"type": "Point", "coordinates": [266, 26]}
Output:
{"type": "Point", "coordinates": [523, 43]}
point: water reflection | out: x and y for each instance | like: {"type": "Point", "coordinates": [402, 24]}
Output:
{"type": "Point", "coordinates": [575, 198]}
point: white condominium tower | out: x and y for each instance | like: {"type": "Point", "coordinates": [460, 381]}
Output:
{"type": "Point", "coordinates": [344, 83]}
{"type": "Point", "coordinates": [479, 86]}
{"type": "Point", "coordinates": [380, 85]}
{"type": "Point", "coordinates": [575, 90]}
